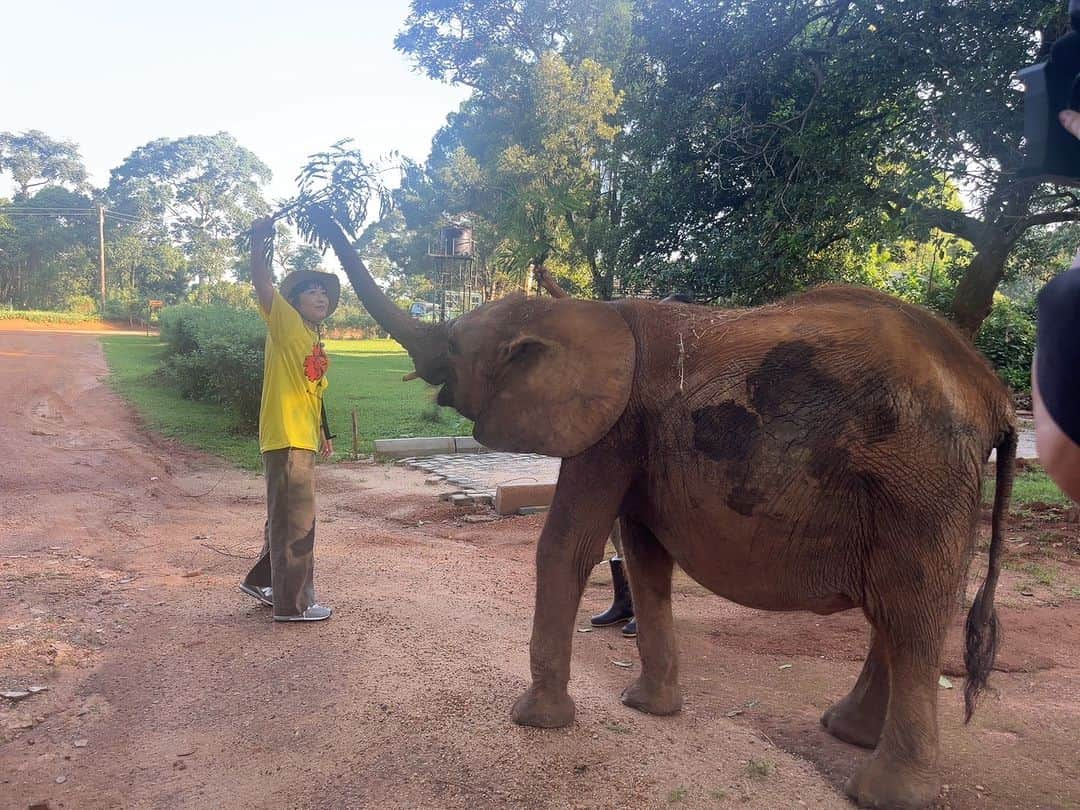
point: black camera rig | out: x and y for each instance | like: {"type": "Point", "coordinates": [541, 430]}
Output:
{"type": "Point", "coordinates": [1052, 152]}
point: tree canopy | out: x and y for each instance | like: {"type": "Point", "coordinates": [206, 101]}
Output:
{"type": "Point", "coordinates": [740, 150]}
{"type": "Point", "coordinates": [33, 159]}
{"type": "Point", "coordinates": [203, 190]}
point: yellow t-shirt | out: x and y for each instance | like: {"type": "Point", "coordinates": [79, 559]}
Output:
{"type": "Point", "coordinates": [291, 403]}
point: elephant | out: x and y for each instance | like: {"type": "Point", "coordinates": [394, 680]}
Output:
{"type": "Point", "coordinates": [824, 453]}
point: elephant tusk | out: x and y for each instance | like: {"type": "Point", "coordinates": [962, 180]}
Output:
{"type": "Point", "coordinates": [412, 375]}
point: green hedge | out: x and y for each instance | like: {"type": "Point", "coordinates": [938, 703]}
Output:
{"type": "Point", "coordinates": [215, 354]}
{"type": "Point", "coordinates": [47, 317]}
{"type": "Point", "coordinates": [1007, 339]}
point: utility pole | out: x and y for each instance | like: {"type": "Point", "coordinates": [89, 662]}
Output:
{"type": "Point", "coordinates": [101, 252]}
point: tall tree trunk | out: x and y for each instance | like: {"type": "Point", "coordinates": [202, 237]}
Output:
{"type": "Point", "coordinates": [603, 279]}
{"type": "Point", "coordinates": [974, 296]}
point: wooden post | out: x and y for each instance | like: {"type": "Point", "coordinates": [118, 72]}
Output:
{"type": "Point", "coordinates": [101, 252]}
{"type": "Point", "coordinates": [355, 437]}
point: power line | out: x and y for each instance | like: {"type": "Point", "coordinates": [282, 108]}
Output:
{"type": "Point", "coordinates": [42, 209]}
{"type": "Point", "coordinates": [46, 213]}
{"type": "Point", "coordinates": [66, 212]}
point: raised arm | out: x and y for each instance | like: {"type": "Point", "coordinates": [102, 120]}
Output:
{"type": "Point", "coordinates": [262, 234]}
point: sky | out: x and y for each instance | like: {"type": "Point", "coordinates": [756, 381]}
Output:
{"type": "Point", "coordinates": [285, 78]}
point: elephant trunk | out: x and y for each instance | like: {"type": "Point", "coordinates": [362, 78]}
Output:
{"type": "Point", "coordinates": [425, 343]}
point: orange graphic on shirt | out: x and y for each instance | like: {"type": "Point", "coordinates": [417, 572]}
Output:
{"type": "Point", "coordinates": [316, 363]}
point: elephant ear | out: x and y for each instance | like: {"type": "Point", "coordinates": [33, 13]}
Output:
{"type": "Point", "coordinates": [562, 382]}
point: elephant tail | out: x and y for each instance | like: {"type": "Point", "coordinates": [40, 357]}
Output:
{"type": "Point", "coordinates": [981, 632]}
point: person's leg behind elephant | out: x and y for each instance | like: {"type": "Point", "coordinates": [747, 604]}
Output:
{"type": "Point", "coordinates": [622, 606]}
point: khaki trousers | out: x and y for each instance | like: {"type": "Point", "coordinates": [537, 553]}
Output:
{"type": "Point", "coordinates": [287, 561]}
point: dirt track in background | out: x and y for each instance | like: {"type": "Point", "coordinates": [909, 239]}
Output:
{"type": "Point", "coordinates": [119, 559]}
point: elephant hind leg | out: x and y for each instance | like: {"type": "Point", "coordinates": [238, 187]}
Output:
{"type": "Point", "coordinates": [859, 718]}
{"type": "Point", "coordinates": [903, 772]}
{"type": "Point", "coordinates": [649, 566]}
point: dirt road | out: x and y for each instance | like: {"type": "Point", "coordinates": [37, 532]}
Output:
{"type": "Point", "coordinates": [119, 560]}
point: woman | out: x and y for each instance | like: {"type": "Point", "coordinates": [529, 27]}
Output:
{"type": "Point", "coordinates": [292, 428]}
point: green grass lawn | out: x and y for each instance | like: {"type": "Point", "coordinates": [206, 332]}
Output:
{"type": "Point", "coordinates": [364, 374]}
{"type": "Point", "coordinates": [1033, 485]}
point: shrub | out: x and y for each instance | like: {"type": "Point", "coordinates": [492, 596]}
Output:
{"type": "Point", "coordinates": [81, 305]}
{"type": "Point", "coordinates": [124, 306]}
{"type": "Point", "coordinates": [1007, 339]}
{"type": "Point", "coordinates": [215, 354]}
{"type": "Point", "coordinates": [353, 321]}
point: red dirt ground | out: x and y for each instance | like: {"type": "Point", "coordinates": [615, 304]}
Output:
{"type": "Point", "coordinates": [120, 555]}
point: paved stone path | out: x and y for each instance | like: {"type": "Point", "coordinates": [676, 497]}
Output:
{"type": "Point", "coordinates": [478, 475]}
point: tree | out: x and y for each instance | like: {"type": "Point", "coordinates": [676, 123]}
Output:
{"type": "Point", "coordinates": [766, 133]}
{"type": "Point", "coordinates": [48, 250]}
{"type": "Point", "coordinates": [33, 160]}
{"type": "Point", "coordinates": [143, 267]}
{"type": "Point", "coordinates": [537, 137]}
{"type": "Point", "coordinates": [489, 46]}
{"type": "Point", "coordinates": [204, 190]}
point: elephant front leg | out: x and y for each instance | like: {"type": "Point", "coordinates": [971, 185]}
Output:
{"type": "Point", "coordinates": [649, 566]}
{"type": "Point", "coordinates": [571, 544]}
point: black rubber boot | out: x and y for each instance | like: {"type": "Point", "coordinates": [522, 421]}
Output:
{"type": "Point", "coordinates": [622, 608]}
{"type": "Point", "coordinates": [630, 631]}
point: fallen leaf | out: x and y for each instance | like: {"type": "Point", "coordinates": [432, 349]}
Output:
{"type": "Point", "coordinates": [1027, 593]}
{"type": "Point", "coordinates": [81, 743]}
{"type": "Point", "coordinates": [61, 779]}
{"type": "Point", "coordinates": [15, 694]}
{"type": "Point", "coordinates": [35, 689]}
{"type": "Point", "coordinates": [186, 753]}
{"type": "Point", "coordinates": [786, 666]}
{"type": "Point", "coordinates": [623, 664]}
{"type": "Point", "coordinates": [735, 713]}
{"type": "Point", "coordinates": [189, 574]}
{"type": "Point", "coordinates": [944, 682]}
{"type": "Point", "coordinates": [584, 629]}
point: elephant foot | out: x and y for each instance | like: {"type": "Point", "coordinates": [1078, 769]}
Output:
{"type": "Point", "coordinates": [543, 709]}
{"type": "Point", "coordinates": [854, 723]}
{"type": "Point", "coordinates": [887, 783]}
{"type": "Point", "coordinates": [652, 699]}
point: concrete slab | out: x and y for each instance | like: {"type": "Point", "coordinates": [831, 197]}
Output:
{"type": "Point", "coordinates": [512, 497]}
{"type": "Point", "coordinates": [410, 448]}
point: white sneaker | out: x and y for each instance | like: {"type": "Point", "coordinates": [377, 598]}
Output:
{"type": "Point", "coordinates": [315, 613]}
